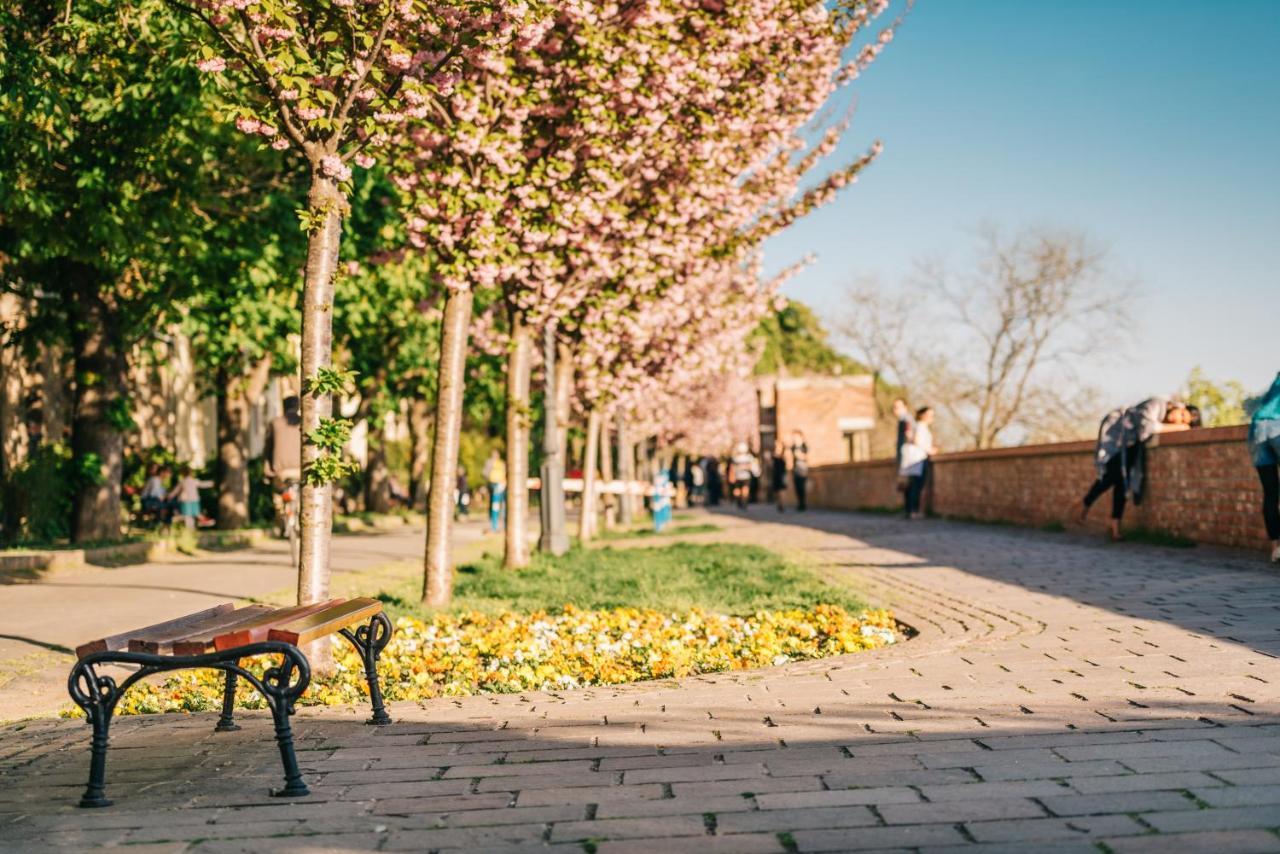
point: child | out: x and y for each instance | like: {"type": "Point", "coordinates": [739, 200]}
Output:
{"type": "Point", "coordinates": [188, 494]}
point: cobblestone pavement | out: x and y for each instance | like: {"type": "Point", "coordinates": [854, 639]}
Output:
{"type": "Point", "coordinates": [1061, 696]}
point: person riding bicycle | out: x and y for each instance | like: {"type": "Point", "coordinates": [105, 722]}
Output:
{"type": "Point", "coordinates": [282, 453]}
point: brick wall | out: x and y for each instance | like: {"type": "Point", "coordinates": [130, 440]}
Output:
{"type": "Point", "coordinates": [1201, 486]}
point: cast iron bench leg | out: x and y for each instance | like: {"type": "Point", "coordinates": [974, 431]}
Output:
{"type": "Point", "coordinates": [97, 696]}
{"type": "Point", "coordinates": [369, 640]}
{"type": "Point", "coordinates": [227, 720]}
{"type": "Point", "coordinates": [281, 696]}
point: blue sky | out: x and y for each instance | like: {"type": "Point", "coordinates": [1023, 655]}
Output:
{"type": "Point", "coordinates": [1153, 127]}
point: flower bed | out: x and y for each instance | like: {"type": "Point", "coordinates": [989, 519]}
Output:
{"type": "Point", "coordinates": [461, 654]}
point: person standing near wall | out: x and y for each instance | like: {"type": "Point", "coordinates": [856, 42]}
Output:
{"type": "Point", "coordinates": [913, 462]}
{"type": "Point", "coordinates": [778, 473]}
{"type": "Point", "coordinates": [1120, 456]}
{"type": "Point", "coordinates": [1264, 449]}
{"type": "Point", "coordinates": [905, 423]}
{"type": "Point", "coordinates": [800, 468]}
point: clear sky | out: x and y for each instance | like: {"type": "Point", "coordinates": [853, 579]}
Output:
{"type": "Point", "coordinates": [1153, 126]}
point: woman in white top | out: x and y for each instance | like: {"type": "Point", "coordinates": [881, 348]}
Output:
{"type": "Point", "coordinates": [915, 460]}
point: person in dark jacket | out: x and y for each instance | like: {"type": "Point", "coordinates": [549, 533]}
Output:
{"type": "Point", "coordinates": [778, 472]}
{"type": "Point", "coordinates": [1120, 456]}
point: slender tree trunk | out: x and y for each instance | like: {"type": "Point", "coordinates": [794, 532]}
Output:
{"type": "Point", "coordinates": [606, 474]}
{"type": "Point", "coordinates": [326, 202]}
{"type": "Point", "coordinates": [236, 397]}
{"type": "Point", "coordinates": [554, 539]}
{"type": "Point", "coordinates": [420, 451]}
{"type": "Point", "coordinates": [626, 470]}
{"type": "Point", "coordinates": [564, 400]}
{"type": "Point", "coordinates": [587, 522]}
{"type": "Point", "coordinates": [437, 573]}
{"type": "Point", "coordinates": [519, 363]}
{"type": "Point", "coordinates": [99, 409]}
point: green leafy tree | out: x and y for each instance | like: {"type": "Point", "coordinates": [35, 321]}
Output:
{"type": "Point", "coordinates": [793, 340]}
{"type": "Point", "coordinates": [1220, 403]}
{"type": "Point", "coordinates": [106, 148]}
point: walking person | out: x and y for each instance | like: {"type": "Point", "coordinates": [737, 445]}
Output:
{"type": "Point", "coordinates": [1264, 449]}
{"type": "Point", "coordinates": [495, 477]}
{"type": "Point", "coordinates": [462, 494]}
{"type": "Point", "coordinates": [913, 463]}
{"type": "Point", "coordinates": [800, 469]}
{"type": "Point", "coordinates": [742, 467]}
{"type": "Point", "coordinates": [1120, 456]}
{"type": "Point", "coordinates": [778, 479]}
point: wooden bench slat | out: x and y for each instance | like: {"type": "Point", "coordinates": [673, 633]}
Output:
{"type": "Point", "coordinates": [115, 643]}
{"type": "Point", "coordinates": [258, 630]}
{"type": "Point", "coordinates": [326, 622]}
{"type": "Point", "coordinates": [161, 643]}
{"type": "Point", "coordinates": [198, 640]}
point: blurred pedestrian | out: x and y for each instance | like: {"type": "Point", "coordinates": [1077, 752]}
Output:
{"type": "Point", "coordinates": [778, 480]}
{"type": "Point", "coordinates": [495, 477]}
{"type": "Point", "coordinates": [800, 468]}
{"type": "Point", "coordinates": [462, 494]}
{"type": "Point", "coordinates": [187, 493]}
{"type": "Point", "coordinates": [1264, 449]}
{"type": "Point", "coordinates": [905, 423]}
{"type": "Point", "coordinates": [1120, 455]}
{"type": "Point", "coordinates": [742, 467]}
{"type": "Point", "coordinates": [915, 461]}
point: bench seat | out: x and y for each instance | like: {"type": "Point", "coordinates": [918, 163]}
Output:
{"type": "Point", "coordinates": [219, 638]}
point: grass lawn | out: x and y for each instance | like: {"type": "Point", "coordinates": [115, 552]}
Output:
{"type": "Point", "coordinates": [719, 577]}
{"type": "Point", "coordinates": [647, 531]}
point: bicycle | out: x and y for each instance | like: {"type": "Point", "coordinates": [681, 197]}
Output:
{"type": "Point", "coordinates": [287, 517]}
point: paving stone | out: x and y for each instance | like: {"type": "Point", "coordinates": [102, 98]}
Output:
{"type": "Point", "coordinates": [1239, 796]}
{"type": "Point", "coordinates": [837, 797]}
{"type": "Point", "coordinates": [675, 806]}
{"type": "Point", "coordinates": [871, 838]}
{"type": "Point", "coordinates": [1142, 782]}
{"type": "Point", "coordinates": [977, 791]}
{"type": "Point", "coordinates": [1116, 802]}
{"type": "Point", "coordinates": [623, 828]}
{"type": "Point", "coordinates": [741, 843]}
{"type": "Point", "coordinates": [1041, 829]}
{"type": "Point", "coordinates": [588, 795]}
{"type": "Point", "coordinates": [953, 811]}
{"type": "Point", "coordinates": [708, 773]}
{"type": "Point", "coordinates": [1227, 818]}
{"type": "Point", "coordinates": [796, 819]}
{"type": "Point", "coordinates": [1209, 842]}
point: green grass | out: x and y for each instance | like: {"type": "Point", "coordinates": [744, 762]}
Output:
{"type": "Point", "coordinates": [721, 577]}
{"type": "Point", "coordinates": [674, 530]}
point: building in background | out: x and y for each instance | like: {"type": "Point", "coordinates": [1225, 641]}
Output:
{"type": "Point", "coordinates": [837, 414]}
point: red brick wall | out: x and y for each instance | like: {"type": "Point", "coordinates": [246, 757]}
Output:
{"type": "Point", "coordinates": [1201, 485]}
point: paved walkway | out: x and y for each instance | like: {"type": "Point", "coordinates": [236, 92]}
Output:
{"type": "Point", "coordinates": [1062, 696]}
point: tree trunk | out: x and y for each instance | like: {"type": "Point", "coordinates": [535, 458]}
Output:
{"type": "Point", "coordinates": [99, 410]}
{"type": "Point", "coordinates": [564, 400]}
{"type": "Point", "coordinates": [236, 397]}
{"type": "Point", "coordinates": [587, 522]}
{"type": "Point", "coordinates": [325, 201]}
{"type": "Point", "coordinates": [437, 571]}
{"type": "Point", "coordinates": [420, 451]}
{"type": "Point", "coordinates": [554, 539]}
{"type": "Point", "coordinates": [518, 366]}
{"type": "Point", "coordinates": [626, 471]}
{"type": "Point", "coordinates": [606, 474]}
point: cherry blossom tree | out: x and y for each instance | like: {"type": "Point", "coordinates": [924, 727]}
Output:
{"type": "Point", "coordinates": [337, 82]}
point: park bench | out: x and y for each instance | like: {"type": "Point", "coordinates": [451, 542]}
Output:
{"type": "Point", "coordinates": [220, 638]}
